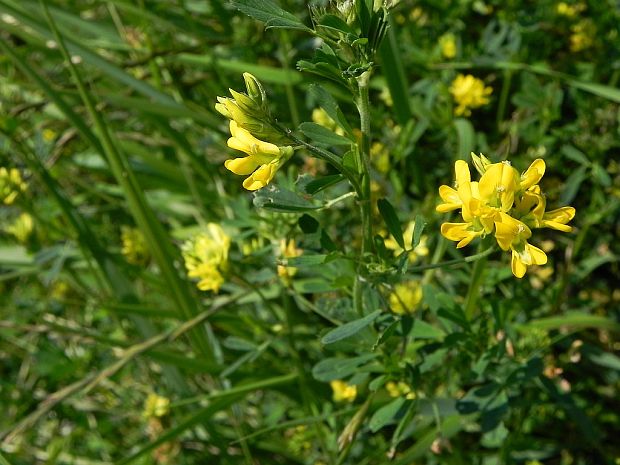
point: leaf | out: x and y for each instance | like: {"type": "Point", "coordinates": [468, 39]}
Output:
{"type": "Point", "coordinates": [334, 23]}
{"type": "Point", "coordinates": [385, 414]}
{"type": "Point", "coordinates": [306, 260]}
{"type": "Point", "coordinates": [420, 223]}
{"type": "Point", "coordinates": [466, 135]}
{"type": "Point", "coordinates": [319, 184]}
{"type": "Point", "coordinates": [575, 154]}
{"type": "Point", "coordinates": [329, 104]}
{"type": "Point", "coordinates": [391, 221]}
{"type": "Point", "coordinates": [283, 200]}
{"type": "Point", "coordinates": [339, 368]}
{"type": "Point", "coordinates": [269, 13]}
{"type": "Point", "coordinates": [322, 135]}
{"type": "Point", "coordinates": [423, 330]}
{"type": "Point", "coordinates": [350, 328]}
{"type": "Point", "coordinates": [571, 320]}
{"type": "Point", "coordinates": [573, 183]}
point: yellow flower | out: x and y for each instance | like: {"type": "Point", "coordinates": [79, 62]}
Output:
{"type": "Point", "coordinates": [11, 184]}
{"type": "Point", "coordinates": [320, 116]}
{"type": "Point", "coordinates": [399, 389]}
{"type": "Point", "coordinates": [421, 249]}
{"type": "Point", "coordinates": [512, 235]}
{"type": "Point", "coordinates": [249, 110]}
{"type": "Point", "coordinates": [582, 35]}
{"type": "Point", "coordinates": [288, 250]}
{"type": "Point", "coordinates": [405, 297]}
{"type": "Point", "coordinates": [134, 247]}
{"type": "Point", "coordinates": [380, 156]}
{"type": "Point", "coordinates": [570, 11]}
{"type": "Point", "coordinates": [156, 406]}
{"type": "Point", "coordinates": [206, 257]}
{"type": "Point", "coordinates": [262, 161]}
{"type": "Point", "coordinates": [447, 44]}
{"type": "Point", "coordinates": [49, 135]}
{"type": "Point", "coordinates": [21, 228]}
{"type": "Point", "coordinates": [503, 202]}
{"type": "Point", "coordinates": [469, 92]}
{"type": "Point", "coordinates": [343, 392]}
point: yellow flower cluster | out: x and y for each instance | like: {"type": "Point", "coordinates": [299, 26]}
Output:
{"type": "Point", "coordinates": [249, 126]}
{"type": "Point", "coordinates": [469, 92]}
{"type": "Point", "coordinates": [11, 184]}
{"type": "Point", "coordinates": [447, 44]}
{"type": "Point", "coordinates": [206, 257]}
{"type": "Point", "coordinates": [570, 11]}
{"type": "Point", "coordinates": [503, 203]}
{"type": "Point", "coordinates": [134, 247]}
{"type": "Point", "coordinates": [343, 392]}
{"type": "Point", "coordinates": [288, 250]}
{"type": "Point", "coordinates": [156, 406]}
{"type": "Point", "coordinates": [582, 35]}
{"type": "Point", "coordinates": [405, 297]}
{"type": "Point", "coordinates": [21, 228]}
{"type": "Point", "coordinates": [421, 250]}
{"type": "Point", "coordinates": [399, 389]}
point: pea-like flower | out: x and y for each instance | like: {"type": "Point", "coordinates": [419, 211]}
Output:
{"type": "Point", "coordinates": [343, 392]}
{"type": "Point", "coordinates": [504, 203]}
{"type": "Point", "coordinates": [262, 161]}
{"type": "Point", "coordinates": [469, 92]}
{"type": "Point", "coordinates": [206, 257]}
{"type": "Point", "coordinates": [11, 185]}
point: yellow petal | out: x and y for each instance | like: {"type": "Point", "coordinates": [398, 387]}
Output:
{"type": "Point", "coordinates": [451, 199]}
{"type": "Point", "coordinates": [461, 169]}
{"type": "Point", "coordinates": [558, 218]}
{"type": "Point", "coordinates": [261, 177]}
{"type": "Point", "coordinates": [517, 266]}
{"type": "Point", "coordinates": [242, 166]}
{"type": "Point", "coordinates": [533, 174]}
{"type": "Point", "coordinates": [538, 257]}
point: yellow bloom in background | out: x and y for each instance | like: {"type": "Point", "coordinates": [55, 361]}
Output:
{"type": "Point", "coordinates": [206, 257]}
{"type": "Point", "coordinates": [343, 392]}
{"type": "Point", "coordinates": [469, 92]}
{"type": "Point", "coordinates": [399, 389]}
{"type": "Point", "coordinates": [380, 157]}
{"type": "Point", "coordinates": [504, 203]}
{"type": "Point", "coordinates": [49, 135]}
{"type": "Point", "coordinates": [570, 11]}
{"type": "Point", "coordinates": [405, 297]}
{"type": "Point", "coordinates": [288, 250]}
{"type": "Point", "coordinates": [320, 116]}
{"type": "Point", "coordinates": [447, 44]}
{"type": "Point", "coordinates": [21, 228]}
{"type": "Point", "coordinates": [11, 185]}
{"type": "Point", "coordinates": [421, 250]}
{"type": "Point", "coordinates": [582, 35]}
{"type": "Point", "coordinates": [262, 161]}
{"type": "Point", "coordinates": [134, 247]}
{"type": "Point", "coordinates": [156, 406]}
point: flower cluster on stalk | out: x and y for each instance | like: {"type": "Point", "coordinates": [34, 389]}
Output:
{"type": "Point", "coordinates": [206, 257]}
{"type": "Point", "coordinates": [504, 203]}
{"type": "Point", "coordinates": [250, 129]}
{"type": "Point", "coordinates": [469, 92]}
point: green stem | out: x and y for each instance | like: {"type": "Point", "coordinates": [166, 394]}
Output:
{"type": "Point", "coordinates": [503, 98]}
{"type": "Point", "coordinates": [474, 285]}
{"type": "Point", "coordinates": [363, 190]}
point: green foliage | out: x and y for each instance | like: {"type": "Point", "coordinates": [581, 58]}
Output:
{"type": "Point", "coordinates": [346, 329]}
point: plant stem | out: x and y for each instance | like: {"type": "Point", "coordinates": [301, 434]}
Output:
{"type": "Point", "coordinates": [363, 190]}
{"type": "Point", "coordinates": [474, 285]}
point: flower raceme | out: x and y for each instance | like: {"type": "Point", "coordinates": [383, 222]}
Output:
{"type": "Point", "coordinates": [469, 92]}
{"type": "Point", "coordinates": [504, 203]}
{"type": "Point", "coordinates": [262, 159]}
{"type": "Point", "coordinates": [250, 129]}
{"type": "Point", "coordinates": [206, 257]}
